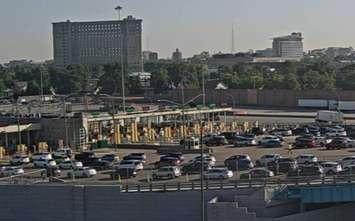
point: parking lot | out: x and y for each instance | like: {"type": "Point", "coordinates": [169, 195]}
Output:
{"type": "Point", "coordinates": [221, 153]}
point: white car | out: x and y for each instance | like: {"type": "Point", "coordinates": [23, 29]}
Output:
{"type": "Point", "coordinates": [211, 160]}
{"type": "Point", "coordinates": [38, 156]}
{"type": "Point", "coordinates": [335, 132]}
{"type": "Point", "coordinates": [306, 159]}
{"type": "Point", "coordinates": [11, 171]}
{"type": "Point", "coordinates": [331, 168]}
{"type": "Point", "coordinates": [44, 163]}
{"type": "Point", "coordinates": [130, 164]}
{"type": "Point", "coordinates": [218, 173]}
{"type": "Point", "coordinates": [268, 158]}
{"type": "Point", "coordinates": [70, 164]}
{"type": "Point", "coordinates": [349, 143]}
{"type": "Point", "coordinates": [169, 172]}
{"type": "Point", "coordinates": [346, 161]}
{"type": "Point", "coordinates": [19, 159]}
{"type": "Point", "coordinates": [282, 132]}
{"type": "Point", "coordinates": [82, 172]}
{"type": "Point", "coordinates": [267, 139]}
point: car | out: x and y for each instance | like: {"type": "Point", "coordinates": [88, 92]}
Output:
{"type": "Point", "coordinates": [265, 159]}
{"type": "Point", "coordinates": [349, 170]}
{"type": "Point", "coordinates": [283, 165]}
{"type": "Point", "coordinates": [307, 171]}
{"type": "Point", "coordinates": [335, 131]}
{"type": "Point", "coordinates": [167, 161]}
{"type": "Point", "coordinates": [218, 173]}
{"type": "Point", "coordinates": [272, 144]}
{"type": "Point", "coordinates": [130, 164]}
{"type": "Point", "coordinates": [44, 163]}
{"type": "Point", "coordinates": [240, 141]}
{"type": "Point", "coordinates": [300, 131]}
{"type": "Point", "coordinates": [331, 168]}
{"type": "Point", "coordinates": [336, 144]}
{"type": "Point", "coordinates": [169, 172]}
{"type": "Point", "coordinates": [207, 137]}
{"type": "Point", "coordinates": [19, 159]}
{"type": "Point", "coordinates": [229, 136]}
{"type": "Point", "coordinates": [346, 161]}
{"type": "Point", "coordinates": [41, 155]}
{"type": "Point", "coordinates": [266, 139]}
{"type": "Point", "coordinates": [110, 158]}
{"type": "Point", "coordinates": [305, 142]}
{"type": "Point", "coordinates": [217, 141]}
{"type": "Point", "coordinates": [59, 159]}
{"type": "Point", "coordinates": [81, 172]}
{"type": "Point", "coordinates": [11, 171]}
{"type": "Point", "coordinates": [350, 143]}
{"type": "Point", "coordinates": [70, 164]}
{"type": "Point", "coordinates": [238, 163]}
{"type": "Point", "coordinates": [123, 173]}
{"type": "Point", "coordinates": [258, 130]}
{"type": "Point", "coordinates": [99, 164]}
{"type": "Point", "coordinates": [136, 156]}
{"type": "Point", "coordinates": [63, 152]}
{"type": "Point", "coordinates": [281, 132]}
{"type": "Point", "coordinates": [194, 167]}
{"type": "Point", "coordinates": [257, 173]}
{"type": "Point", "coordinates": [306, 159]}
{"type": "Point", "coordinates": [53, 171]}
{"type": "Point", "coordinates": [85, 157]}
{"type": "Point", "coordinates": [178, 155]}
{"type": "Point", "coordinates": [211, 160]}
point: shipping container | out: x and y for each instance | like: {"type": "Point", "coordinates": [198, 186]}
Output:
{"type": "Point", "coordinates": [313, 103]}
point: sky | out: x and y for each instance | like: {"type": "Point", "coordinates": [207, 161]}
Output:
{"type": "Point", "coordinates": [192, 26]}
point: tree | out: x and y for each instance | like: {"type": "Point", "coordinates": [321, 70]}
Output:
{"type": "Point", "coordinates": [160, 80]}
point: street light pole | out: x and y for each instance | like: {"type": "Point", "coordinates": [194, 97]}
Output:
{"type": "Point", "coordinates": [183, 113]}
{"type": "Point", "coordinates": [202, 174]}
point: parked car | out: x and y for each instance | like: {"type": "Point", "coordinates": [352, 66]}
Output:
{"type": "Point", "coordinates": [283, 165]}
{"type": "Point", "coordinates": [267, 139]}
{"type": "Point", "coordinates": [167, 161]}
{"type": "Point", "coordinates": [257, 173]}
{"type": "Point", "coordinates": [346, 161]}
{"type": "Point", "coordinates": [81, 172]}
{"type": "Point", "coordinates": [238, 162]}
{"type": "Point", "coordinates": [207, 137]}
{"type": "Point", "coordinates": [349, 170]}
{"type": "Point", "coordinates": [85, 157]}
{"type": "Point", "coordinates": [305, 142]}
{"type": "Point", "coordinates": [99, 164]}
{"type": "Point", "coordinates": [218, 173]}
{"type": "Point", "coordinates": [350, 143]}
{"type": "Point", "coordinates": [64, 152]}
{"type": "Point", "coordinates": [240, 141]}
{"type": "Point", "coordinates": [112, 158]}
{"type": "Point", "coordinates": [130, 164]}
{"type": "Point", "coordinates": [53, 171]}
{"type": "Point", "coordinates": [123, 173]}
{"type": "Point", "coordinates": [335, 131]}
{"type": "Point", "coordinates": [336, 144]}
{"type": "Point", "coordinates": [272, 144]}
{"type": "Point", "coordinates": [169, 172]}
{"type": "Point", "coordinates": [307, 171]}
{"type": "Point", "coordinates": [210, 160]}
{"type": "Point", "coordinates": [331, 168]}
{"type": "Point", "coordinates": [136, 156]}
{"type": "Point", "coordinates": [19, 159]}
{"type": "Point", "coordinates": [229, 136]}
{"type": "Point", "coordinates": [258, 130]}
{"type": "Point", "coordinates": [217, 141]}
{"type": "Point", "coordinates": [177, 155]}
{"type": "Point", "coordinates": [268, 158]}
{"type": "Point", "coordinates": [306, 159]}
{"type": "Point", "coordinates": [300, 131]}
{"type": "Point", "coordinates": [59, 159]}
{"type": "Point", "coordinates": [281, 132]}
{"type": "Point", "coordinates": [194, 167]}
{"type": "Point", "coordinates": [70, 164]}
{"type": "Point", "coordinates": [11, 171]}
{"type": "Point", "coordinates": [44, 163]}
{"type": "Point", "coordinates": [44, 155]}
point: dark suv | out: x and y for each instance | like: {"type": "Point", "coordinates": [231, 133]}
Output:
{"type": "Point", "coordinates": [217, 141]}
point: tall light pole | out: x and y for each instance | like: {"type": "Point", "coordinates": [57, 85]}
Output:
{"type": "Point", "coordinates": [118, 9]}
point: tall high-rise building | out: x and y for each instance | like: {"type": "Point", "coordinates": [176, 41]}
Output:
{"type": "Point", "coordinates": [99, 42]}
{"type": "Point", "coordinates": [290, 46]}
{"type": "Point", "coordinates": [150, 56]}
{"type": "Point", "coordinates": [177, 56]}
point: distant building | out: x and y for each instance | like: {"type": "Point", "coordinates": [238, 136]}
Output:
{"type": "Point", "coordinates": [177, 56]}
{"type": "Point", "coordinates": [268, 52]}
{"type": "Point", "coordinates": [98, 42]}
{"type": "Point", "coordinates": [22, 62]}
{"type": "Point", "coordinates": [150, 56]}
{"type": "Point", "coordinates": [290, 46]}
{"type": "Point", "coordinates": [333, 52]}
{"type": "Point", "coordinates": [228, 60]}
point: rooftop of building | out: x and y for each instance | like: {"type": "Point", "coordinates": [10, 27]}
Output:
{"type": "Point", "coordinates": [128, 18]}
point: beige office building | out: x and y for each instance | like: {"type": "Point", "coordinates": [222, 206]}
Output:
{"type": "Point", "coordinates": [99, 42]}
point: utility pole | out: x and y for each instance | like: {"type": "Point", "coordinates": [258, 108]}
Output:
{"type": "Point", "coordinates": [202, 173]}
{"type": "Point", "coordinates": [203, 88]}
{"type": "Point", "coordinates": [42, 98]}
{"type": "Point", "coordinates": [183, 111]}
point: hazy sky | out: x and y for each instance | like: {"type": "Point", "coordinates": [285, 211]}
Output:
{"type": "Point", "coordinates": [191, 25]}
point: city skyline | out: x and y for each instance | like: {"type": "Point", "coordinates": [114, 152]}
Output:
{"type": "Point", "coordinates": [28, 35]}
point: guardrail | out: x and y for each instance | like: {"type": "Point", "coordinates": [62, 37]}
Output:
{"type": "Point", "coordinates": [234, 184]}
{"type": "Point", "coordinates": [26, 178]}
